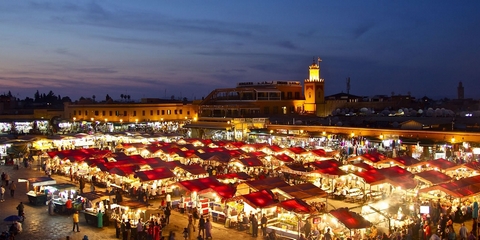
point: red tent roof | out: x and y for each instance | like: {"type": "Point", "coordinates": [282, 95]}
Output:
{"type": "Point", "coordinates": [250, 162]}
{"type": "Point", "coordinates": [284, 158]}
{"type": "Point", "coordinates": [372, 176]}
{"type": "Point", "coordinates": [406, 161]}
{"type": "Point", "coordinates": [433, 177]}
{"type": "Point", "coordinates": [200, 185]}
{"type": "Point", "coordinates": [297, 150]}
{"type": "Point", "coordinates": [442, 163]}
{"type": "Point", "coordinates": [260, 199]}
{"type": "Point", "coordinates": [155, 174]}
{"type": "Point", "coordinates": [351, 220]}
{"type": "Point", "coordinates": [296, 205]}
{"type": "Point", "coordinates": [303, 191]}
{"type": "Point", "coordinates": [238, 175]}
{"type": "Point", "coordinates": [319, 152]}
{"type": "Point", "coordinates": [373, 157]}
{"type": "Point", "coordinates": [328, 167]}
{"type": "Point", "coordinates": [464, 187]}
{"type": "Point", "coordinates": [394, 172]}
{"type": "Point", "coordinates": [266, 183]}
{"type": "Point", "coordinates": [194, 169]}
{"type": "Point", "coordinates": [473, 165]}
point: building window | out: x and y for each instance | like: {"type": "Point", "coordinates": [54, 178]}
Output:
{"type": "Point", "coordinates": [86, 113]}
{"type": "Point", "coordinates": [158, 112]}
{"type": "Point", "coordinates": [163, 112]}
{"type": "Point", "coordinates": [143, 112]}
{"type": "Point", "coordinates": [103, 113]}
{"type": "Point", "coordinates": [188, 112]}
{"type": "Point", "coordinates": [181, 112]}
{"type": "Point", "coordinates": [96, 113]}
{"type": "Point", "coordinates": [134, 113]}
{"type": "Point", "coordinates": [169, 112]}
{"type": "Point", "coordinates": [74, 112]}
{"type": "Point", "coordinates": [110, 113]}
{"type": "Point", "coordinates": [266, 110]}
{"type": "Point", "coordinates": [117, 113]}
{"type": "Point", "coordinates": [124, 113]}
{"type": "Point", "coordinates": [289, 95]}
{"type": "Point", "coordinates": [151, 112]}
{"type": "Point", "coordinates": [176, 112]}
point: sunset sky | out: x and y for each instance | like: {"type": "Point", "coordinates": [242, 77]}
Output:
{"type": "Point", "coordinates": [160, 49]}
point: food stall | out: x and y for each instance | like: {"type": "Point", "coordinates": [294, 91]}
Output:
{"type": "Point", "coordinates": [37, 196]}
{"type": "Point", "coordinates": [59, 194]}
{"type": "Point", "coordinates": [129, 210]}
{"type": "Point", "coordinates": [95, 202]}
{"type": "Point", "coordinates": [292, 212]}
{"type": "Point", "coordinates": [342, 222]}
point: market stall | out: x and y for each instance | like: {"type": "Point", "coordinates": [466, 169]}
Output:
{"type": "Point", "coordinates": [59, 194]}
{"type": "Point", "coordinates": [96, 202]}
{"type": "Point", "coordinates": [343, 222]}
{"type": "Point", "coordinates": [37, 195]}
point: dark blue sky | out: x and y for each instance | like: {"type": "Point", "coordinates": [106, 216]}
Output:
{"type": "Point", "coordinates": [188, 48]}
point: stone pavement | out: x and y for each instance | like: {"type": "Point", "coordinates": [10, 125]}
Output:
{"type": "Point", "coordinates": [39, 225]}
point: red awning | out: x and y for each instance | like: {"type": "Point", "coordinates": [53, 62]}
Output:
{"type": "Point", "coordinates": [260, 199]}
{"type": "Point", "coordinates": [238, 175]}
{"type": "Point", "coordinates": [433, 177]}
{"type": "Point", "coordinates": [284, 158]}
{"type": "Point", "coordinates": [372, 177]}
{"type": "Point", "coordinates": [296, 205]}
{"type": "Point", "coordinates": [194, 169]}
{"type": "Point", "coordinates": [351, 220]}
{"type": "Point", "coordinates": [405, 161]}
{"type": "Point", "coordinates": [267, 183]}
{"type": "Point", "coordinates": [155, 174]}
{"type": "Point", "coordinates": [250, 162]}
{"type": "Point", "coordinates": [303, 191]}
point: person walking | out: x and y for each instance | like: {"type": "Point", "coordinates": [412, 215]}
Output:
{"type": "Point", "coordinates": [167, 214]}
{"type": "Point", "coordinates": [254, 223]}
{"type": "Point", "coordinates": [7, 179]}
{"type": "Point", "coordinates": [208, 229]}
{"type": "Point", "coordinates": [75, 219]}
{"type": "Point", "coordinates": [20, 209]}
{"type": "Point", "coordinates": [12, 188]}
{"type": "Point", "coordinates": [2, 193]}
{"type": "Point", "coordinates": [263, 222]}
{"type": "Point", "coordinates": [201, 227]}
{"type": "Point", "coordinates": [463, 232]}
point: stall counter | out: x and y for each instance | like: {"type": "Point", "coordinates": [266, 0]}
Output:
{"type": "Point", "coordinates": [289, 234]}
{"type": "Point", "coordinates": [91, 218]}
{"type": "Point", "coordinates": [36, 199]}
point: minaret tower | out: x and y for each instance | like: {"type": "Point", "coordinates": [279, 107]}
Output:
{"type": "Point", "coordinates": [314, 88]}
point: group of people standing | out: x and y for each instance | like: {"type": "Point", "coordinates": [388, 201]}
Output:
{"type": "Point", "coordinates": [6, 183]}
{"type": "Point", "coordinates": [204, 226]}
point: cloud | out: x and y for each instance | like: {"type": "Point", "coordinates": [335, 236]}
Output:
{"type": "Point", "coordinates": [362, 29]}
{"type": "Point", "coordinates": [287, 45]}
{"type": "Point", "coordinates": [101, 70]}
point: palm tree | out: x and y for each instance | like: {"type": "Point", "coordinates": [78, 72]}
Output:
{"type": "Point", "coordinates": [122, 96]}
{"type": "Point", "coordinates": [128, 96]}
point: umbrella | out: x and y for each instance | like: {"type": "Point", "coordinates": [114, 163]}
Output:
{"type": "Point", "coordinates": [12, 218]}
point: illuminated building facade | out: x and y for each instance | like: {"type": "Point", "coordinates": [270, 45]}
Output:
{"type": "Point", "coordinates": [131, 112]}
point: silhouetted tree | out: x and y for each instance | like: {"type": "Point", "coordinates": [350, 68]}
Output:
{"type": "Point", "coordinates": [128, 97]}
{"type": "Point", "coordinates": [122, 96]}
{"type": "Point", "coordinates": [93, 97]}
